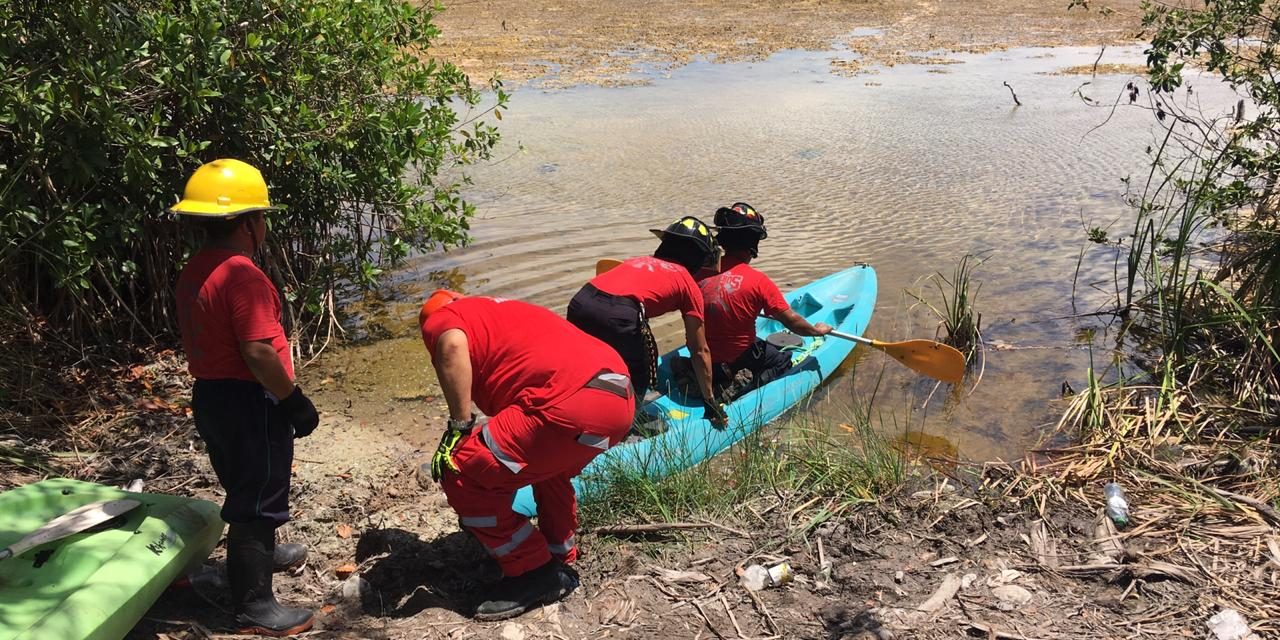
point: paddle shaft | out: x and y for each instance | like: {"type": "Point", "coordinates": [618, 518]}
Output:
{"type": "Point", "coordinates": [850, 336]}
{"type": "Point", "coordinates": [72, 522]}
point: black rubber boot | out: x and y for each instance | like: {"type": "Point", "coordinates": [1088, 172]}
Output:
{"type": "Point", "coordinates": [514, 595]}
{"type": "Point", "coordinates": [250, 558]}
{"type": "Point", "coordinates": [289, 556]}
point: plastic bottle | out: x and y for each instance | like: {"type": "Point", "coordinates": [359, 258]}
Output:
{"type": "Point", "coordinates": [1117, 506]}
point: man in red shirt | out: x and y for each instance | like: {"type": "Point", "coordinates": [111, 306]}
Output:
{"type": "Point", "coordinates": [556, 398]}
{"type": "Point", "coordinates": [246, 406]}
{"type": "Point", "coordinates": [737, 295]}
{"type": "Point", "coordinates": [616, 306]}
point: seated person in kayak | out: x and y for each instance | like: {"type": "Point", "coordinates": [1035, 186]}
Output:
{"type": "Point", "coordinates": [735, 297]}
{"type": "Point", "coordinates": [616, 306]}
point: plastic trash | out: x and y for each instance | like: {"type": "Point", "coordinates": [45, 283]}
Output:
{"type": "Point", "coordinates": [780, 573]}
{"type": "Point", "coordinates": [1228, 624]}
{"type": "Point", "coordinates": [1117, 505]}
{"type": "Point", "coordinates": [755, 578]}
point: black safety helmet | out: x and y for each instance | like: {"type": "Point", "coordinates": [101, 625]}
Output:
{"type": "Point", "coordinates": [741, 216]}
{"type": "Point", "coordinates": [740, 228]}
{"type": "Point", "coordinates": [692, 232]}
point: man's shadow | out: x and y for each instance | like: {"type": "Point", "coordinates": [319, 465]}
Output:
{"type": "Point", "coordinates": [409, 574]}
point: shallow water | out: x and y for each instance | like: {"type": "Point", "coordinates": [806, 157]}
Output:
{"type": "Point", "coordinates": [908, 170]}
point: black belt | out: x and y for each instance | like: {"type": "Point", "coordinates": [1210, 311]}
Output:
{"type": "Point", "coordinates": [646, 334]}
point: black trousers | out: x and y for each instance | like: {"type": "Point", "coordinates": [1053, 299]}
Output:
{"type": "Point", "coordinates": [765, 362]}
{"type": "Point", "coordinates": [250, 445]}
{"type": "Point", "coordinates": [615, 321]}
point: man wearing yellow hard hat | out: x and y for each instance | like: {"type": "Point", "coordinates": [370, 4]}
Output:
{"type": "Point", "coordinates": [246, 406]}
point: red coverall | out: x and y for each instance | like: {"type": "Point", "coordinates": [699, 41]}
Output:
{"type": "Point", "coordinates": [557, 398]}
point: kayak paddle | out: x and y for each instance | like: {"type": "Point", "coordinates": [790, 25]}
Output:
{"type": "Point", "coordinates": [933, 359]}
{"type": "Point", "coordinates": [606, 264]}
{"type": "Point", "coordinates": [69, 523]}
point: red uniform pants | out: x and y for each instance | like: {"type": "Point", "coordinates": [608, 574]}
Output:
{"type": "Point", "coordinates": [544, 449]}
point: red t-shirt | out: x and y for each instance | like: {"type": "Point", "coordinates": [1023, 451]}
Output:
{"type": "Point", "coordinates": [659, 285]}
{"type": "Point", "coordinates": [521, 354]}
{"type": "Point", "coordinates": [734, 298]}
{"type": "Point", "coordinates": [225, 299]}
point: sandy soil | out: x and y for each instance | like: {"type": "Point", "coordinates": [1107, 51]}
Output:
{"type": "Point", "coordinates": [601, 41]}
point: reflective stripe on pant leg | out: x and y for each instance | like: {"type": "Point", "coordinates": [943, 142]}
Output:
{"type": "Point", "coordinates": [480, 493]}
{"type": "Point", "coordinates": [563, 548]}
{"type": "Point", "coordinates": [513, 542]}
{"type": "Point", "coordinates": [594, 441]}
{"type": "Point", "coordinates": [483, 522]}
{"type": "Point", "coordinates": [558, 512]}
{"type": "Point", "coordinates": [498, 454]}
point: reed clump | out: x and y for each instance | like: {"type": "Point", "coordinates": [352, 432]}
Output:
{"type": "Point", "coordinates": [1191, 434]}
{"type": "Point", "coordinates": [959, 322]}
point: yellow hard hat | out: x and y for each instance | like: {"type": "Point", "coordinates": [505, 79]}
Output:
{"type": "Point", "coordinates": [223, 188]}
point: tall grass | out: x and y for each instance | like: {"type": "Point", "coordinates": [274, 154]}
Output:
{"type": "Point", "coordinates": [1198, 286]}
{"type": "Point", "coordinates": [844, 461]}
{"type": "Point", "coordinates": [959, 323]}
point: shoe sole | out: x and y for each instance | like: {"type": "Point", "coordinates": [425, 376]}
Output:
{"type": "Point", "coordinates": [281, 568]}
{"type": "Point", "coordinates": [494, 617]}
{"type": "Point", "coordinates": [277, 633]}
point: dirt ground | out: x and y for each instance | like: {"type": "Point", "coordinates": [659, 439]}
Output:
{"type": "Point", "coordinates": [940, 559]}
{"type": "Point", "coordinates": [955, 553]}
{"type": "Point", "coordinates": [601, 41]}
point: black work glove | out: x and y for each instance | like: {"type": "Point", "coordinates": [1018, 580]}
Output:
{"type": "Point", "coordinates": [716, 414]}
{"type": "Point", "coordinates": [300, 413]}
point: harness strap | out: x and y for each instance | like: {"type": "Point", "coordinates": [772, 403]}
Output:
{"type": "Point", "coordinates": [650, 345]}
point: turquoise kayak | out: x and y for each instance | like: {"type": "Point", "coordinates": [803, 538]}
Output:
{"type": "Point", "coordinates": [843, 300]}
{"type": "Point", "coordinates": [98, 583]}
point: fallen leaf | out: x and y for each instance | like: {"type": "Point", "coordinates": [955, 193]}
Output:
{"type": "Point", "coordinates": [345, 570]}
{"type": "Point", "coordinates": [327, 609]}
{"type": "Point", "coordinates": [344, 530]}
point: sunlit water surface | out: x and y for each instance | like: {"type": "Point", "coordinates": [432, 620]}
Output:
{"type": "Point", "coordinates": [908, 169]}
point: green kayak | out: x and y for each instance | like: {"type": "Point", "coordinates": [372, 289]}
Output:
{"type": "Point", "coordinates": [95, 584]}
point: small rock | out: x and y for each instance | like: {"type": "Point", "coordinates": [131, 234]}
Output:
{"type": "Point", "coordinates": [897, 577]}
{"type": "Point", "coordinates": [1228, 624]}
{"type": "Point", "coordinates": [847, 572]}
{"type": "Point", "coordinates": [1011, 596]}
{"type": "Point", "coordinates": [512, 631]}
{"type": "Point", "coordinates": [354, 588]}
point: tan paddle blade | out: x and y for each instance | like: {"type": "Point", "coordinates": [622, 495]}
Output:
{"type": "Point", "coordinates": [933, 359]}
{"type": "Point", "coordinates": [606, 264]}
{"type": "Point", "coordinates": [72, 522]}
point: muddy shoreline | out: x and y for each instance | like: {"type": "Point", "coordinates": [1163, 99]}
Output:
{"type": "Point", "coordinates": [570, 42]}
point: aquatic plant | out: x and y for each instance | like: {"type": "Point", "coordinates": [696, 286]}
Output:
{"type": "Point", "coordinates": [959, 323]}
